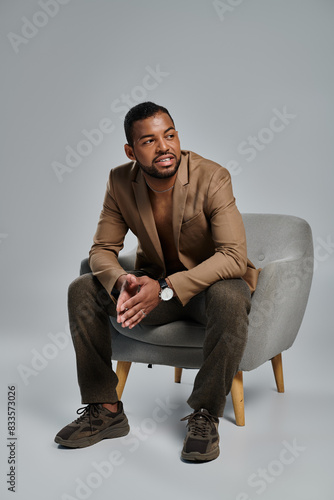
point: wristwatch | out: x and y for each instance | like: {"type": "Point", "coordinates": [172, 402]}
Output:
{"type": "Point", "coordinates": [165, 293]}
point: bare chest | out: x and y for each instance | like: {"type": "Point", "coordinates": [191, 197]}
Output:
{"type": "Point", "coordinates": [162, 207]}
{"type": "Point", "coordinates": [163, 214]}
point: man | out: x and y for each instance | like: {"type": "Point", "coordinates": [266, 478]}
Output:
{"type": "Point", "coordinates": [191, 263]}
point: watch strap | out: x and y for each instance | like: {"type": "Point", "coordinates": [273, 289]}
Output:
{"type": "Point", "coordinates": [163, 283]}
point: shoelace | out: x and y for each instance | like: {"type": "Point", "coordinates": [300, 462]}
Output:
{"type": "Point", "coordinates": [199, 423]}
{"type": "Point", "coordinates": [87, 412]}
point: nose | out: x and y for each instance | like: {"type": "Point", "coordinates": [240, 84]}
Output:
{"type": "Point", "coordinates": [162, 145]}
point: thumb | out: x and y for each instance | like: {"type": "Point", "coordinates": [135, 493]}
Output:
{"type": "Point", "coordinates": [131, 280]}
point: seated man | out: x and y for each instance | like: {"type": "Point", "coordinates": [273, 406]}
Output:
{"type": "Point", "coordinates": [191, 264]}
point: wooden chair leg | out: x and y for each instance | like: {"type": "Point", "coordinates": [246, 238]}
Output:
{"type": "Point", "coordinates": [278, 372]}
{"type": "Point", "coordinates": [177, 375]}
{"type": "Point", "coordinates": [237, 393]}
{"type": "Point", "coordinates": [122, 371]}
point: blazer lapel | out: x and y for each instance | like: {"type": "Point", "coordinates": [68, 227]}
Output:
{"type": "Point", "coordinates": [179, 198]}
{"type": "Point", "coordinates": [146, 214]}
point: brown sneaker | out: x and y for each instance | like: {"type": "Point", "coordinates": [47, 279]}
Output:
{"type": "Point", "coordinates": [201, 443]}
{"type": "Point", "coordinates": [96, 423]}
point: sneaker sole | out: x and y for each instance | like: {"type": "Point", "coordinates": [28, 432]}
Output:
{"type": "Point", "coordinates": [108, 433]}
{"type": "Point", "coordinates": [195, 456]}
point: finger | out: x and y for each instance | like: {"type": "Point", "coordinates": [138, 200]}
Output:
{"type": "Point", "coordinates": [120, 317]}
{"type": "Point", "coordinates": [128, 313]}
{"type": "Point", "coordinates": [131, 281]}
{"type": "Point", "coordinates": [134, 323]}
{"type": "Point", "coordinates": [129, 303]}
{"type": "Point", "coordinates": [129, 286]}
{"type": "Point", "coordinates": [135, 319]}
{"type": "Point", "coordinates": [120, 302]}
{"type": "Point", "coordinates": [124, 296]}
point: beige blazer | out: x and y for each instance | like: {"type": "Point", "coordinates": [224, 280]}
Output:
{"type": "Point", "coordinates": [208, 229]}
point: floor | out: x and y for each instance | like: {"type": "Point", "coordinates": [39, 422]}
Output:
{"type": "Point", "coordinates": [284, 450]}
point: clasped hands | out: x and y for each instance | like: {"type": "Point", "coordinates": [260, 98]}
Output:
{"type": "Point", "coordinates": [138, 297]}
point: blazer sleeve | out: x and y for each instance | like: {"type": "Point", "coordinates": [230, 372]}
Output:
{"type": "Point", "coordinates": [108, 241]}
{"type": "Point", "coordinates": [229, 259]}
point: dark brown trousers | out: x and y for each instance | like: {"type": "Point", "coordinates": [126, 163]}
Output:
{"type": "Point", "coordinates": [223, 308]}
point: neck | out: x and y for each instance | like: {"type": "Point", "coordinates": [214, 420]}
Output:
{"type": "Point", "coordinates": [160, 185]}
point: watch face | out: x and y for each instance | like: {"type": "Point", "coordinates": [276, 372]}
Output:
{"type": "Point", "coordinates": [166, 293]}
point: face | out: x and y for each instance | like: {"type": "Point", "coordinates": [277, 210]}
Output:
{"type": "Point", "coordinates": [156, 146]}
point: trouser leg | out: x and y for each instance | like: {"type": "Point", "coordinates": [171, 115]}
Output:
{"type": "Point", "coordinates": [227, 305]}
{"type": "Point", "coordinates": [89, 307]}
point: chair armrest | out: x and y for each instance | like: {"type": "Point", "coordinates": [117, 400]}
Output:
{"type": "Point", "coordinates": [278, 307]}
{"type": "Point", "coordinates": [85, 267]}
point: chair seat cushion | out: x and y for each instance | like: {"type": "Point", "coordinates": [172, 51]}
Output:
{"type": "Point", "coordinates": [176, 334]}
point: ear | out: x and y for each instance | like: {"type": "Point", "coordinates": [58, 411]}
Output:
{"type": "Point", "coordinates": [129, 152]}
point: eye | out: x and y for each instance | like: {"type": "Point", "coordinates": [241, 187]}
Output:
{"type": "Point", "coordinates": [148, 141]}
{"type": "Point", "coordinates": [170, 136]}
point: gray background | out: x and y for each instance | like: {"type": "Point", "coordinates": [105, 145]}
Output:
{"type": "Point", "coordinates": [224, 75]}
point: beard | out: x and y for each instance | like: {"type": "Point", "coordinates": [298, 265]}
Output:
{"type": "Point", "coordinates": [153, 171]}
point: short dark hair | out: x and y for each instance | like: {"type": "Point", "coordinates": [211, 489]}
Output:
{"type": "Point", "coordinates": [140, 112]}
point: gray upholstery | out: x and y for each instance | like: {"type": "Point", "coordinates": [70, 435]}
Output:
{"type": "Point", "coordinates": [282, 246]}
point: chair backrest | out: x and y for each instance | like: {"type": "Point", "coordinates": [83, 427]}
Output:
{"type": "Point", "coordinates": [273, 237]}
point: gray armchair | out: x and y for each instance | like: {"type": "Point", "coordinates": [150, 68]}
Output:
{"type": "Point", "coordinates": [282, 246]}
